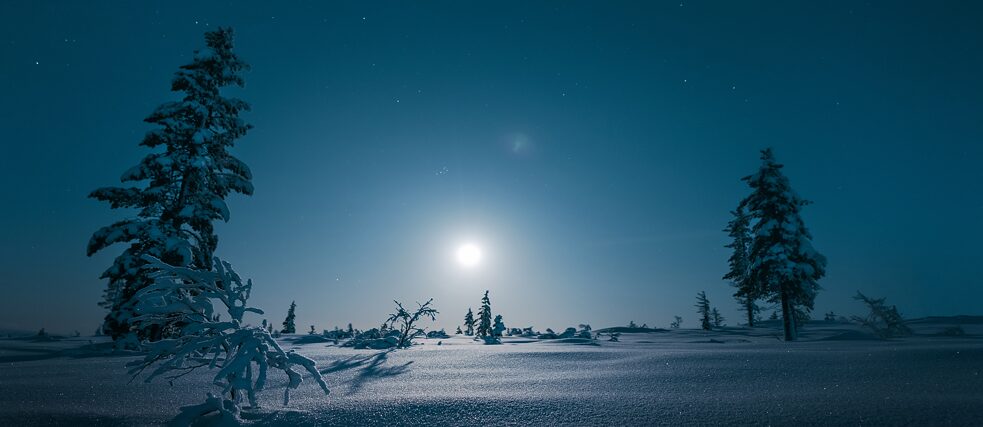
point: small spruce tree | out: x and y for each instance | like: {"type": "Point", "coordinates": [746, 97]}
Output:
{"type": "Point", "coordinates": [703, 309]}
{"type": "Point", "coordinates": [288, 324]}
{"type": "Point", "coordinates": [717, 318]}
{"type": "Point", "coordinates": [484, 318]}
{"type": "Point", "coordinates": [469, 323]}
{"type": "Point", "coordinates": [499, 327]}
{"type": "Point", "coordinates": [676, 322]}
{"type": "Point", "coordinates": [747, 291]}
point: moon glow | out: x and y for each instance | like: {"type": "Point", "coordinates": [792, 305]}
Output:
{"type": "Point", "coordinates": [468, 255]}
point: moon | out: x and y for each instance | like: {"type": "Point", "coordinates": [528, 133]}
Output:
{"type": "Point", "coordinates": [468, 255]}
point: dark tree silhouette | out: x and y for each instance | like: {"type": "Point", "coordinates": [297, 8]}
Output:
{"type": "Point", "coordinates": [703, 309]}
{"type": "Point", "coordinates": [716, 318]}
{"type": "Point", "coordinates": [469, 323]}
{"type": "Point", "coordinates": [405, 322]}
{"type": "Point", "coordinates": [676, 322]}
{"type": "Point", "coordinates": [484, 318]}
{"type": "Point", "coordinates": [884, 321]}
{"type": "Point", "coordinates": [183, 187]}
{"type": "Point", "coordinates": [288, 324]}
{"type": "Point", "coordinates": [782, 258]}
{"type": "Point", "coordinates": [748, 291]}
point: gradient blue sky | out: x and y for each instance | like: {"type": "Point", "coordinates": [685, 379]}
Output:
{"type": "Point", "coordinates": [593, 149]}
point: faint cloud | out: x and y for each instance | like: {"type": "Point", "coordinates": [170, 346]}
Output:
{"type": "Point", "coordinates": [519, 144]}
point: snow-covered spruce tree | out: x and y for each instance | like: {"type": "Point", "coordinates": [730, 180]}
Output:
{"type": "Point", "coordinates": [703, 309]}
{"type": "Point", "coordinates": [499, 327]}
{"type": "Point", "coordinates": [288, 324]}
{"type": "Point", "coordinates": [181, 186]}
{"type": "Point", "coordinates": [469, 323]}
{"type": "Point", "coordinates": [405, 322]}
{"type": "Point", "coordinates": [241, 354]}
{"type": "Point", "coordinates": [484, 318]}
{"type": "Point", "coordinates": [716, 318]}
{"type": "Point", "coordinates": [748, 292]}
{"type": "Point", "coordinates": [782, 258]}
{"type": "Point", "coordinates": [458, 331]}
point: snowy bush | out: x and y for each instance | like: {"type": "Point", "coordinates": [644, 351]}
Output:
{"type": "Point", "coordinates": [242, 354]}
{"type": "Point", "coordinates": [585, 332]}
{"type": "Point", "coordinates": [373, 343]}
{"type": "Point", "coordinates": [491, 340]}
{"type": "Point", "coordinates": [437, 334]}
{"type": "Point", "coordinates": [339, 334]}
{"type": "Point", "coordinates": [568, 333]}
{"type": "Point", "coordinates": [676, 322]}
{"type": "Point", "coordinates": [499, 327]}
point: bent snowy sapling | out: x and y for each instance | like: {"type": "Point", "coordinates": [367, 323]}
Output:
{"type": "Point", "coordinates": [241, 354]}
{"type": "Point", "coordinates": [405, 322]}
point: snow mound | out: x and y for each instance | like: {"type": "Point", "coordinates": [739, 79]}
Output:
{"type": "Point", "coordinates": [851, 335]}
{"type": "Point", "coordinates": [628, 330]}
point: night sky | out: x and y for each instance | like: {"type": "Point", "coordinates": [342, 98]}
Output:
{"type": "Point", "coordinates": [593, 151]}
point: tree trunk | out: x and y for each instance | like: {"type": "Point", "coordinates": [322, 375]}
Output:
{"type": "Point", "coordinates": [750, 312]}
{"type": "Point", "coordinates": [788, 317]}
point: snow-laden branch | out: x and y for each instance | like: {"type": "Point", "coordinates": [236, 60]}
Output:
{"type": "Point", "coordinates": [186, 299]}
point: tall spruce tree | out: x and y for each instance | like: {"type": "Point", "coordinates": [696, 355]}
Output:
{"type": "Point", "coordinates": [703, 309]}
{"type": "Point", "coordinates": [748, 292]}
{"type": "Point", "coordinates": [469, 323]}
{"type": "Point", "coordinates": [484, 318]}
{"type": "Point", "coordinates": [180, 187]}
{"type": "Point", "coordinates": [782, 258]}
{"type": "Point", "coordinates": [288, 324]}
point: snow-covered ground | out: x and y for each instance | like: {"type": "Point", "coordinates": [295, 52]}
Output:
{"type": "Point", "coordinates": [836, 375]}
